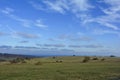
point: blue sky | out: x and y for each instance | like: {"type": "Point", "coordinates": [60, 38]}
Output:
{"type": "Point", "coordinates": [60, 27]}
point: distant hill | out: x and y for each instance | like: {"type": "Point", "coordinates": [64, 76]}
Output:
{"type": "Point", "coordinates": [7, 56]}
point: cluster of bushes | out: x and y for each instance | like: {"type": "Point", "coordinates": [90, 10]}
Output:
{"type": "Point", "coordinates": [87, 59]}
{"type": "Point", "coordinates": [53, 57]}
{"type": "Point", "coordinates": [102, 59]}
{"type": "Point", "coordinates": [59, 61]}
{"type": "Point", "coordinates": [112, 56]}
{"type": "Point", "coordinates": [17, 60]}
{"type": "Point", "coordinates": [2, 60]}
{"type": "Point", "coordinates": [38, 63]}
{"type": "Point", "coordinates": [95, 58]}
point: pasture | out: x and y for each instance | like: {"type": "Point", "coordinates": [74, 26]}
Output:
{"type": "Point", "coordinates": [62, 68]}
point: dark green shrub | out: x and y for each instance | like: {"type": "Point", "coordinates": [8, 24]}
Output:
{"type": "Point", "coordinates": [86, 59]}
{"type": "Point", "coordinates": [112, 55]}
{"type": "Point", "coordinates": [74, 55]}
{"type": "Point", "coordinates": [53, 57]}
{"type": "Point", "coordinates": [38, 63]}
{"type": "Point", "coordinates": [59, 61]}
{"type": "Point", "coordinates": [95, 58]}
{"type": "Point", "coordinates": [23, 61]}
{"type": "Point", "coordinates": [17, 60]}
{"type": "Point", "coordinates": [102, 59]}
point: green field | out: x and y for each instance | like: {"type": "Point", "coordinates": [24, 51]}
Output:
{"type": "Point", "coordinates": [71, 68]}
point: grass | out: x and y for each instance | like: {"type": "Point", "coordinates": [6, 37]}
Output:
{"type": "Point", "coordinates": [71, 68]}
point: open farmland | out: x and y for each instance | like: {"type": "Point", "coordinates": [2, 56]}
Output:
{"type": "Point", "coordinates": [62, 68]}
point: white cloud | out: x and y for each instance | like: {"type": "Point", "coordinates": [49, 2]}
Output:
{"type": "Point", "coordinates": [63, 6]}
{"type": "Point", "coordinates": [102, 32]}
{"type": "Point", "coordinates": [57, 5]}
{"type": "Point", "coordinates": [112, 2]}
{"type": "Point", "coordinates": [107, 24]}
{"type": "Point", "coordinates": [83, 38]}
{"type": "Point", "coordinates": [112, 14]}
{"type": "Point", "coordinates": [26, 35]}
{"type": "Point", "coordinates": [81, 8]}
{"type": "Point", "coordinates": [7, 10]}
{"type": "Point", "coordinates": [24, 22]}
{"type": "Point", "coordinates": [80, 5]}
{"type": "Point", "coordinates": [86, 46]}
{"type": "Point", "coordinates": [1, 33]}
{"type": "Point", "coordinates": [5, 47]}
{"type": "Point", "coordinates": [39, 23]}
{"type": "Point", "coordinates": [37, 6]}
{"type": "Point", "coordinates": [54, 45]}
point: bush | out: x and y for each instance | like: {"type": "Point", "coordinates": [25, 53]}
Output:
{"type": "Point", "coordinates": [53, 57]}
{"type": "Point", "coordinates": [2, 60]}
{"type": "Point", "coordinates": [95, 58]}
{"type": "Point", "coordinates": [27, 58]}
{"type": "Point", "coordinates": [38, 63]}
{"type": "Point", "coordinates": [112, 55]}
{"type": "Point", "coordinates": [23, 61]}
{"type": "Point", "coordinates": [86, 59]}
{"type": "Point", "coordinates": [102, 59]}
{"type": "Point", "coordinates": [59, 61]}
{"type": "Point", "coordinates": [74, 55]}
{"type": "Point", "coordinates": [17, 60]}
{"type": "Point", "coordinates": [13, 61]}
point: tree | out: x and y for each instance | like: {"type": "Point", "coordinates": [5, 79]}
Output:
{"type": "Point", "coordinates": [112, 55]}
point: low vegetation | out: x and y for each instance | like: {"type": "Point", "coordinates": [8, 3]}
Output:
{"type": "Point", "coordinates": [66, 68]}
{"type": "Point", "coordinates": [38, 63]}
{"type": "Point", "coordinates": [86, 59]}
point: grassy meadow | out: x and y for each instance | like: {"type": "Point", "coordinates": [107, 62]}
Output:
{"type": "Point", "coordinates": [62, 68]}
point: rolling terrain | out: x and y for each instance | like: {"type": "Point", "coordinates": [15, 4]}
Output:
{"type": "Point", "coordinates": [62, 68]}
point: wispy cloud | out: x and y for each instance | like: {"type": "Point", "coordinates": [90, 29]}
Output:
{"type": "Point", "coordinates": [39, 23]}
{"type": "Point", "coordinates": [24, 22]}
{"type": "Point", "coordinates": [80, 5]}
{"type": "Point", "coordinates": [26, 47]}
{"type": "Point", "coordinates": [58, 5]}
{"type": "Point", "coordinates": [64, 36]}
{"type": "Point", "coordinates": [26, 35]}
{"type": "Point", "coordinates": [102, 32]}
{"type": "Point", "coordinates": [17, 34]}
{"type": "Point", "coordinates": [1, 33]}
{"type": "Point", "coordinates": [37, 6]}
{"type": "Point", "coordinates": [51, 45]}
{"type": "Point", "coordinates": [52, 39]}
{"type": "Point", "coordinates": [81, 8]}
{"type": "Point", "coordinates": [5, 47]}
{"type": "Point", "coordinates": [112, 2]}
{"type": "Point", "coordinates": [54, 45]}
{"type": "Point", "coordinates": [86, 46]}
{"type": "Point", "coordinates": [24, 42]}
{"type": "Point", "coordinates": [111, 15]}
{"type": "Point", "coordinates": [63, 6]}
{"type": "Point", "coordinates": [74, 37]}
{"type": "Point", "coordinates": [79, 37]}
{"type": "Point", "coordinates": [7, 10]}
{"type": "Point", "coordinates": [84, 38]}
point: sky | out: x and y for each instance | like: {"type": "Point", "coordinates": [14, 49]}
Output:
{"type": "Point", "coordinates": [60, 27]}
